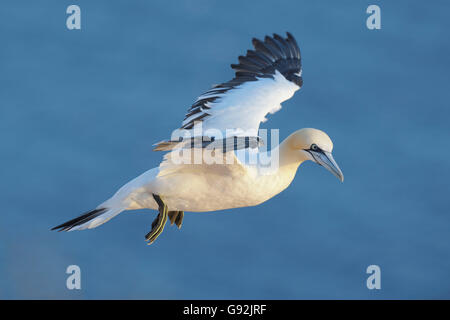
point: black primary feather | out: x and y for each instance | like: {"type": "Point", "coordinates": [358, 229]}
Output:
{"type": "Point", "coordinates": [274, 53]}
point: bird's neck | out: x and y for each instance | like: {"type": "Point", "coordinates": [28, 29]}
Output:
{"type": "Point", "coordinates": [284, 159]}
{"type": "Point", "coordinates": [289, 158]}
{"type": "Point", "coordinates": [278, 177]}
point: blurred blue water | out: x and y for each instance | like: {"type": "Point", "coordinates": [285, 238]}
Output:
{"type": "Point", "coordinates": [80, 110]}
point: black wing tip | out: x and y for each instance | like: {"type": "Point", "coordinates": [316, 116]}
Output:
{"type": "Point", "coordinates": [273, 53]}
{"type": "Point", "coordinates": [289, 35]}
{"type": "Point", "coordinates": [255, 41]}
{"type": "Point", "coordinates": [68, 225]}
{"type": "Point", "coordinates": [276, 36]}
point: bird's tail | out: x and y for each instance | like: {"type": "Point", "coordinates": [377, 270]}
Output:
{"type": "Point", "coordinates": [91, 219]}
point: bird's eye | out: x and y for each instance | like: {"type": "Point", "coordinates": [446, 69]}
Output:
{"type": "Point", "coordinates": [314, 147]}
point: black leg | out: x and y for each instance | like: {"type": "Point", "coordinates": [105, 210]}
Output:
{"type": "Point", "coordinates": [160, 221]}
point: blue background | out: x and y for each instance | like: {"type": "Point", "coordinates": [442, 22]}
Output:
{"type": "Point", "coordinates": [80, 110]}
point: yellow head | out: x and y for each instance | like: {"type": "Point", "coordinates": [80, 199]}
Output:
{"type": "Point", "coordinates": [315, 145]}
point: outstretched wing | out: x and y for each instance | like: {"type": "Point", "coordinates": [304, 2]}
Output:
{"type": "Point", "coordinates": [264, 78]}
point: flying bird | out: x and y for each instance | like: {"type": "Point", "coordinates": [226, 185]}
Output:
{"type": "Point", "coordinates": [223, 125]}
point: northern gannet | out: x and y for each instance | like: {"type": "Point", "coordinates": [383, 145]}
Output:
{"type": "Point", "coordinates": [208, 167]}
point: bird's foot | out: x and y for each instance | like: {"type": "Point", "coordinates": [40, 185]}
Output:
{"type": "Point", "coordinates": [160, 221]}
{"type": "Point", "coordinates": [176, 217]}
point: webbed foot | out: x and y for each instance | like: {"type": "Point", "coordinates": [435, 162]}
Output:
{"type": "Point", "coordinates": [176, 217]}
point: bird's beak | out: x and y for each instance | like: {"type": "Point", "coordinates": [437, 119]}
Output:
{"type": "Point", "coordinates": [326, 160]}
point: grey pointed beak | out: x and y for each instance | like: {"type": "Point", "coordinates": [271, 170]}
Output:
{"type": "Point", "coordinates": [326, 160]}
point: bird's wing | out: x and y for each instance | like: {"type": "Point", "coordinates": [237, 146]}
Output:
{"type": "Point", "coordinates": [265, 77]}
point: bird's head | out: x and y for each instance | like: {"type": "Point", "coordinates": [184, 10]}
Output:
{"type": "Point", "coordinates": [314, 145]}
